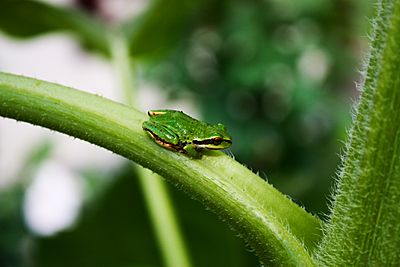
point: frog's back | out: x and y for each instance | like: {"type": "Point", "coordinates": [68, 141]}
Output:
{"type": "Point", "coordinates": [187, 126]}
{"type": "Point", "coordinates": [184, 126]}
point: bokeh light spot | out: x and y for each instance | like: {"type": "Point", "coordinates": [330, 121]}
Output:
{"type": "Point", "coordinates": [53, 200]}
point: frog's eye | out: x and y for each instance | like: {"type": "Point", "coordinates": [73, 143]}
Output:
{"type": "Point", "coordinates": [216, 141]}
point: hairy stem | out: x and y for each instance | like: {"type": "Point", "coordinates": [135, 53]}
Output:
{"type": "Point", "coordinates": [364, 227]}
{"type": "Point", "coordinates": [280, 232]}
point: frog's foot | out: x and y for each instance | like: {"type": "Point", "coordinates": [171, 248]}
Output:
{"type": "Point", "coordinates": [192, 151]}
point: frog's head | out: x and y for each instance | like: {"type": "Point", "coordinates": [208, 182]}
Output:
{"type": "Point", "coordinates": [216, 137]}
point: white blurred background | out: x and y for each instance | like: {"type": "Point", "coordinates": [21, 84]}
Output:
{"type": "Point", "coordinates": [57, 185]}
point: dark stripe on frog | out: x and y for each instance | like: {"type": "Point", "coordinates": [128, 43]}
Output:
{"type": "Point", "coordinates": [215, 141]}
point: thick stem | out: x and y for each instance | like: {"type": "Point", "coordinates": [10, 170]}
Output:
{"type": "Point", "coordinates": [364, 227]}
{"type": "Point", "coordinates": [272, 224]}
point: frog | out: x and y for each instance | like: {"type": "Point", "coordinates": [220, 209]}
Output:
{"type": "Point", "coordinates": [177, 131]}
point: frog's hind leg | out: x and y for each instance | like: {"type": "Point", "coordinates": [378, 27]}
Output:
{"type": "Point", "coordinates": [162, 135]}
{"type": "Point", "coordinates": [159, 112]}
{"type": "Point", "coordinates": [165, 144]}
{"type": "Point", "coordinates": [156, 112]}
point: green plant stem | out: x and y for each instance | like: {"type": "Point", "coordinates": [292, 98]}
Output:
{"type": "Point", "coordinates": [364, 227]}
{"type": "Point", "coordinates": [123, 67]}
{"type": "Point", "coordinates": [272, 224]}
{"type": "Point", "coordinates": [155, 192]}
{"type": "Point", "coordinates": [162, 214]}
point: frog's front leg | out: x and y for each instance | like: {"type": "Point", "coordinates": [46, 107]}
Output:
{"type": "Point", "coordinates": [192, 151]}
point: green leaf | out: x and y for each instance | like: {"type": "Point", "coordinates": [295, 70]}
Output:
{"type": "Point", "coordinates": [364, 227]}
{"type": "Point", "coordinates": [12, 225]}
{"type": "Point", "coordinates": [24, 18]}
{"type": "Point", "coordinates": [163, 25]}
{"type": "Point", "coordinates": [280, 232]}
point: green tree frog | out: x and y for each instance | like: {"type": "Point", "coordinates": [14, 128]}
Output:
{"type": "Point", "coordinates": [177, 131]}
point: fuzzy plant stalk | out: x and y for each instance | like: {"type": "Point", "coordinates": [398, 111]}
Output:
{"type": "Point", "coordinates": [364, 225]}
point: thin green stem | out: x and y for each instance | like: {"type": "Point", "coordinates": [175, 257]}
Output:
{"type": "Point", "coordinates": [164, 220]}
{"type": "Point", "coordinates": [279, 231]}
{"type": "Point", "coordinates": [155, 192]}
{"type": "Point", "coordinates": [123, 67]}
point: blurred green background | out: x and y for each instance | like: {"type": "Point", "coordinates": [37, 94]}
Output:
{"type": "Point", "coordinates": [279, 74]}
